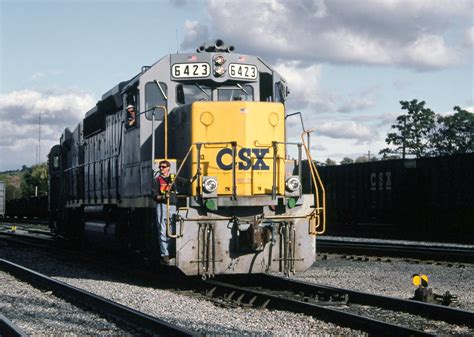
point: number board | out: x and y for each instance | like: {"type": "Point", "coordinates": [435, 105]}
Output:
{"type": "Point", "coordinates": [189, 70]}
{"type": "Point", "coordinates": [245, 71]}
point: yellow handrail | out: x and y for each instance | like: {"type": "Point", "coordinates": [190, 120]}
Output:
{"type": "Point", "coordinates": [316, 179]}
{"type": "Point", "coordinates": [168, 223]}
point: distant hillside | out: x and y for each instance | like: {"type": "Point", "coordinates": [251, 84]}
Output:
{"type": "Point", "coordinates": [12, 181]}
{"type": "Point", "coordinates": [21, 183]}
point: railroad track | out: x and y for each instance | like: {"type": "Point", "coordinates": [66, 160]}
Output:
{"type": "Point", "coordinates": [9, 329]}
{"type": "Point", "coordinates": [103, 306]}
{"type": "Point", "coordinates": [414, 250]}
{"type": "Point", "coordinates": [323, 302]}
{"type": "Point", "coordinates": [333, 304]}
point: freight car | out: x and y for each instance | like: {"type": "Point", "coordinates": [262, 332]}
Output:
{"type": "Point", "coordinates": [219, 117]}
{"type": "Point", "coordinates": [418, 199]}
{"type": "Point", "coordinates": [2, 199]}
{"type": "Point", "coordinates": [29, 207]}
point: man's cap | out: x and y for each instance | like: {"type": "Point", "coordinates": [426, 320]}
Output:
{"type": "Point", "coordinates": [130, 106]}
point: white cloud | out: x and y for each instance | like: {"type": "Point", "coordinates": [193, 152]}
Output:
{"type": "Point", "coordinates": [431, 51]}
{"type": "Point", "coordinates": [307, 92]}
{"type": "Point", "coordinates": [346, 129]}
{"type": "Point", "coordinates": [304, 85]}
{"type": "Point", "coordinates": [19, 117]}
{"type": "Point", "coordinates": [194, 31]}
{"type": "Point", "coordinates": [37, 76]}
{"type": "Point", "coordinates": [469, 38]}
{"type": "Point", "coordinates": [373, 32]}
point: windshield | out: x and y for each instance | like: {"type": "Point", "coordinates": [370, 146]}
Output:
{"type": "Point", "coordinates": [239, 93]}
{"type": "Point", "coordinates": [188, 93]}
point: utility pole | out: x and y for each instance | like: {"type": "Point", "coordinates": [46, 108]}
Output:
{"type": "Point", "coordinates": [39, 139]}
{"type": "Point", "coordinates": [404, 136]}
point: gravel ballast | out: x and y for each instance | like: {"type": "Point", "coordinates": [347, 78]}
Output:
{"type": "Point", "coordinates": [189, 312]}
{"type": "Point", "coordinates": [39, 312]}
{"type": "Point", "coordinates": [391, 277]}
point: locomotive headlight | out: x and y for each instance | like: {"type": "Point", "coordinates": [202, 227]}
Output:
{"type": "Point", "coordinates": [219, 71]}
{"type": "Point", "coordinates": [209, 185]}
{"type": "Point", "coordinates": [219, 60]}
{"type": "Point", "coordinates": [293, 184]}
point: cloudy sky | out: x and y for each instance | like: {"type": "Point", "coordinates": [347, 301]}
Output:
{"type": "Point", "coordinates": [348, 63]}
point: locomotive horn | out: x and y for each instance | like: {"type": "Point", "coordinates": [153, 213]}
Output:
{"type": "Point", "coordinates": [201, 49]}
{"type": "Point", "coordinates": [209, 47]}
{"type": "Point", "coordinates": [219, 43]}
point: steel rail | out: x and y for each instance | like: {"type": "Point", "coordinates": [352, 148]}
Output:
{"type": "Point", "coordinates": [409, 250]}
{"type": "Point", "coordinates": [9, 329]}
{"type": "Point", "coordinates": [427, 310]}
{"type": "Point", "coordinates": [118, 311]}
{"type": "Point", "coordinates": [261, 299]}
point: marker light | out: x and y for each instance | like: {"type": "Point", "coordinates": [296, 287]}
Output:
{"type": "Point", "coordinates": [219, 60]}
{"type": "Point", "coordinates": [209, 185]}
{"type": "Point", "coordinates": [219, 71]}
{"type": "Point", "coordinates": [293, 184]}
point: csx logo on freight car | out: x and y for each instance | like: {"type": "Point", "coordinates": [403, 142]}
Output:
{"type": "Point", "coordinates": [245, 161]}
{"type": "Point", "coordinates": [384, 181]}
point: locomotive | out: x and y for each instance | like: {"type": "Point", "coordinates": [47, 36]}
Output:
{"type": "Point", "coordinates": [219, 118]}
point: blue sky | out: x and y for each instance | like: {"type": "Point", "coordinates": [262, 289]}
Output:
{"type": "Point", "coordinates": [348, 63]}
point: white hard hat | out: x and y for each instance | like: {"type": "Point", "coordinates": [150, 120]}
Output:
{"type": "Point", "coordinates": [130, 106]}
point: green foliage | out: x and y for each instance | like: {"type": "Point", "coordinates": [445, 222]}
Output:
{"type": "Point", "coordinates": [346, 160]}
{"type": "Point", "coordinates": [362, 159]}
{"type": "Point", "coordinates": [413, 130]}
{"type": "Point", "coordinates": [330, 162]}
{"type": "Point", "coordinates": [35, 177]}
{"type": "Point", "coordinates": [454, 134]}
{"type": "Point", "coordinates": [420, 132]}
{"type": "Point", "coordinates": [12, 184]}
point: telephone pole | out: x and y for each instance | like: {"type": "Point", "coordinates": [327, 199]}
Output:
{"type": "Point", "coordinates": [39, 139]}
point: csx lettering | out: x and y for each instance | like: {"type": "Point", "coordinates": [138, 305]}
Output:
{"type": "Point", "coordinates": [383, 181]}
{"type": "Point", "coordinates": [245, 162]}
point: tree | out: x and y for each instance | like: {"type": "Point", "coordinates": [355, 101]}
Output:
{"type": "Point", "coordinates": [12, 185]}
{"type": "Point", "coordinates": [361, 159]}
{"type": "Point", "coordinates": [329, 161]}
{"type": "Point", "coordinates": [35, 177]}
{"type": "Point", "coordinates": [413, 130]}
{"type": "Point", "coordinates": [346, 160]}
{"type": "Point", "coordinates": [454, 133]}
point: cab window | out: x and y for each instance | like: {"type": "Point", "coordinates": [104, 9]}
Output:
{"type": "Point", "coordinates": [156, 94]}
{"type": "Point", "coordinates": [131, 108]}
{"type": "Point", "coordinates": [55, 162]}
{"type": "Point", "coordinates": [237, 93]}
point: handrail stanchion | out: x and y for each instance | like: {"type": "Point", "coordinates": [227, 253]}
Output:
{"type": "Point", "coordinates": [316, 179]}
{"type": "Point", "coordinates": [275, 149]}
{"type": "Point", "coordinates": [234, 173]}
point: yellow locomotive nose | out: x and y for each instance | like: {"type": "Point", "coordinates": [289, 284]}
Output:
{"type": "Point", "coordinates": [253, 127]}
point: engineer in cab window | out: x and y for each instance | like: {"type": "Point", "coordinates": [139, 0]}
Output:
{"type": "Point", "coordinates": [131, 116]}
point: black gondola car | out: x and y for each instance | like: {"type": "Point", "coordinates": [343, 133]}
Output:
{"type": "Point", "coordinates": [428, 199]}
{"type": "Point", "coordinates": [30, 208]}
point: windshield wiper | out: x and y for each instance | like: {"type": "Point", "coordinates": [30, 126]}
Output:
{"type": "Point", "coordinates": [161, 89]}
{"type": "Point", "coordinates": [242, 88]}
{"type": "Point", "coordinates": [200, 88]}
